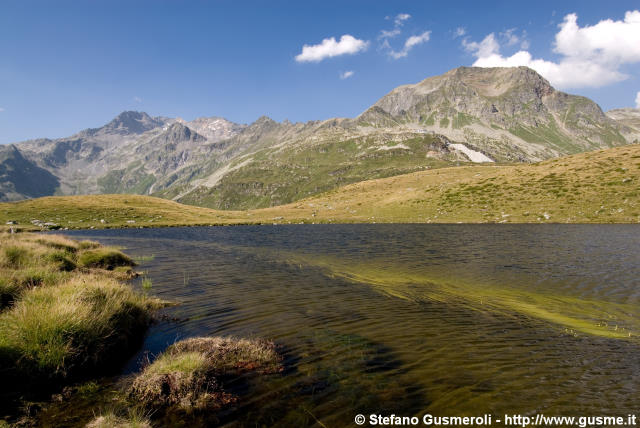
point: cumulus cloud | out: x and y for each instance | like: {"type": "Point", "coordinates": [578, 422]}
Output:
{"type": "Point", "coordinates": [346, 74]}
{"type": "Point", "coordinates": [409, 44]}
{"type": "Point", "coordinates": [638, 100]}
{"type": "Point", "coordinates": [328, 48]}
{"type": "Point", "coordinates": [591, 56]}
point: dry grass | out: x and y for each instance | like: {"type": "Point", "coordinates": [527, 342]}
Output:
{"type": "Point", "coordinates": [228, 354]}
{"type": "Point", "coordinates": [111, 420]}
{"type": "Point", "coordinates": [188, 374]}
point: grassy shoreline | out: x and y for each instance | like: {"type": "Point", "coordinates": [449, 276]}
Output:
{"type": "Point", "coordinates": [65, 314]}
{"type": "Point", "coordinates": [593, 187]}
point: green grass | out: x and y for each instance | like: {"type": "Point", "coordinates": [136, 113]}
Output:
{"type": "Point", "coordinates": [104, 258]}
{"type": "Point", "coordinates": [146, 283]}
{"type": "Point", "coordinates": [62, 317]}
{"type": "Point", "coordinates": [185, 362]}
{"type": "Point", "coordinates": [72, 327]}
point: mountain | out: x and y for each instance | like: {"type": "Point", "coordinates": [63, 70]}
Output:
{"type": "Point", "coordinates": [464, 116]}
{"type": "Point", "coordinates": [20, 178]}
{"type": "Point", "coordinates": [630, 117]}
{"type": "Point", "coordinates": [513, 114]}
{"type": "Point", "coordinates": [129, 123]}
{"type": "Point", "coordinates": [467, 114]}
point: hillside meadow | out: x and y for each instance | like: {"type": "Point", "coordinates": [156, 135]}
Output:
{"type": "Point", "coordinates": [593, 187]}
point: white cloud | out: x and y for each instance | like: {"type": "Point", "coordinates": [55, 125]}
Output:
{"type": "Point", "coordinates": [638, 100]}
{"type": "Point", "coordinates": [459, 32]}
{"type": "Point", "coordinates": [409, 44]}
{"type": "Point", "coordinates": [510, 37]}
{"type": "Point", "coordinates": [346, 74]}
{"type": "Point", "coordinates": [400, 18]}
{"type": "Point", "coordinates": [591, 56]}
{"type": "Point", "coordinates": [398, 22]}
{"type": "Point", "coordinates": [137, 99]}
{"type": "Point", "coordinates": [348, 45]}
{"type": "Point", "coordinates": [1, 109]}
{"type": "Point", "coordinates": [486, 48]}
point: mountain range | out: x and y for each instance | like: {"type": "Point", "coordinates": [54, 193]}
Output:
{"type": "Point", "coordinates": [467, 115]}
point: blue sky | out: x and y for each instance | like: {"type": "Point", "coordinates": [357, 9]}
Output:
{"type": "Point", "coordinates": [66, 66]}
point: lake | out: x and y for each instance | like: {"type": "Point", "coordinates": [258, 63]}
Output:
{"type": "Point", "coordinates": [407, 319]}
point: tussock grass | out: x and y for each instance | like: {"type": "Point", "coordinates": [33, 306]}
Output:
{"type": "Point", "coordinates": [104, 258]}
{"type": "Point", "coordinates": [62, 317]}
{"type": "Point", "coordinates": [188, 373]}
{"type": "Point", "coordinates": [73, 326]}
{"type": "Point", "coordinates": [185, 380]}
{"type": "Point", "coordinates": [228, 354]}
{"type": "Point", "coordinates": [25, 263]}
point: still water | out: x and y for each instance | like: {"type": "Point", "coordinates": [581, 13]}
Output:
{"type": "Point", "coordinates": [408, 319]}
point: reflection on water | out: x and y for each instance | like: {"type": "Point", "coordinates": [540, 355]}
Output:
{"type": "Point", "coordinates": [407, 319]}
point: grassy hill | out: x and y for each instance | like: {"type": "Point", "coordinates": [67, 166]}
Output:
{"type": "Point", "coordinates": [594, 187]}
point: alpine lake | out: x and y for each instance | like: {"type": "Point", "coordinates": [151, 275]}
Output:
{"type": "Point", "coordinates": [402, 319]}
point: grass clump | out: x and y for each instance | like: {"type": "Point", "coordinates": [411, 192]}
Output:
{"type": "Point", "coordinates": [189, 374]}
{"type": "Point", "coordinates": [104, 258]}
{"type": "Point", "coordinates": [63, 260]}
{"type": "Point", "coordinates": [15, 256]}
{"type": "Point", "coordinates": [185, 380]}
{"type": "Point", "coordinates": [62, 315]}
{"type": "Point", "coordinates": [9, 291]}
{"type": "Point", "coordinates": [232, 355]}
{"type": "Point", "coordinates": [60, 331]}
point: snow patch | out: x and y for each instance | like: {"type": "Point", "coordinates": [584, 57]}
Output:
{"type": "Point", "coordinates": [473, 155]}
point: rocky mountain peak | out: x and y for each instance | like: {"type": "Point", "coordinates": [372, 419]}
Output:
{"type": "Point", "coordinates": [176, 133]}
{"type": "Point", "coordinates": [128, 123]}
{"type": "Point", "coordinates": [262, 120]}
{"type": "Point", "coordinates": [215, 128]}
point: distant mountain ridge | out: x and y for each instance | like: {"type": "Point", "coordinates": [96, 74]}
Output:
{"type": "Point", "coordinates": [469, 113]}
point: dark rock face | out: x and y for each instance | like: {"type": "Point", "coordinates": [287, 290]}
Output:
{"type": "Point", "coordinates": [20, 176]}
